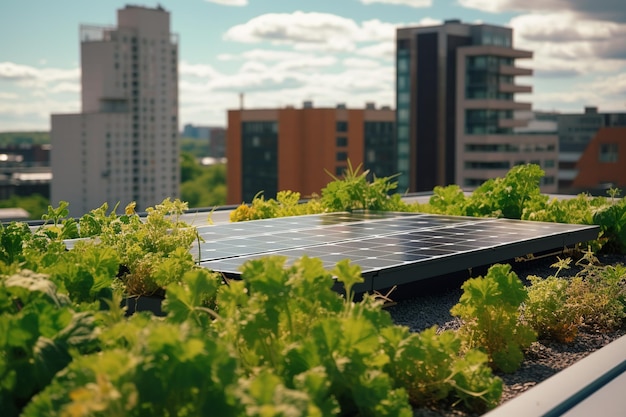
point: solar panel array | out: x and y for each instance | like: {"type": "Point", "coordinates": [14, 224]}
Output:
{"type": "Point", "coordinates": [391, 248]}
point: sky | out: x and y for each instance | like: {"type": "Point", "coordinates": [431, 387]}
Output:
{"type": "Point", "coordinates": [283, 52]}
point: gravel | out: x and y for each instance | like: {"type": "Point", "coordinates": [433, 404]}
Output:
{"type": "Point", "coordinates": [428, 304]}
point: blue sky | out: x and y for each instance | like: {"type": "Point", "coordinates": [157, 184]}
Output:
{"type": "Point", "coordinates": [283, 52]}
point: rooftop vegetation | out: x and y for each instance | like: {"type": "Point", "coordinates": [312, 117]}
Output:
{"type": "Point", "coordinates": [280, 341]}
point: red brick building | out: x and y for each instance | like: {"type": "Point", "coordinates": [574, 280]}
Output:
{"type": "Point", "coordinates": [270, 150]}
{"type": "Point", "coordinates": [603, 163]}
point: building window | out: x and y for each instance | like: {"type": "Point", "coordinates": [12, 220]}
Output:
{"type": "Point", "coordinates": [487, 165]}
{"type": "Point", "coordinates": [342, 156]}
{"type": "Point", "coordinates": [342, 126]}
{"type": "Point", "coordinates": [342, 141]}
{"type": "Point", "coordinates": [608, 152]}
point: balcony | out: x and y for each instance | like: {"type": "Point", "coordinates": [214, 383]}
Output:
{"type": "Point", "coordinates": [492, 104]}
{"type": "Point", "coordinates": [512, 123]}
{"type": "Point", "coordinates": [515, 71]}
{"type": "Point", "coordinates": [514, 88]}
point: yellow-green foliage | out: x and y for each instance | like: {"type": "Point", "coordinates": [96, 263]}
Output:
{"type": "Point", "coordinates": [287, 203]}
{"type": "Point", "coordinates": [355, 192]}
{"type": "Point", "coordinates": [489, 310]}
{"type": "Point", "coordinates": [557, 307]}
{"type": "Point", "coordinates": [431, 367]}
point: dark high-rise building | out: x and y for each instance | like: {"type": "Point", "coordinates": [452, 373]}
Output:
{"type": "Point", "coordinates": [455, 97]}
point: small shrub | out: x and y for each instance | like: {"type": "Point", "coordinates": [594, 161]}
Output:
{"type": "Point", "coordinates": [557, 307]}
{"type": "Point", "coordinates": [431, 367]}
{"type": "Point", "coordinates": [489, 308]}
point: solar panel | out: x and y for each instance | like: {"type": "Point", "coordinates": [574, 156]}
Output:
{"type": "Point", "coordinates": [391, 248]}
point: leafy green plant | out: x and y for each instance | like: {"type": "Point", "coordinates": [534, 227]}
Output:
{"type": "Point", "coordinates": [92, 223]}
{"type": "Point", "coordinates": [507, 197]}
{"type": "Point", "coordinates": [287, 203]}
{"type": "Point", "coordinates": [448, 200]}
{"type": "Point", "coordinates": [599, 292]}
{"type": "Point", "coordinates": [355, 192]}
{"type": "Point", "coordinates": [289, 320]}
{"type": "Point", "coordinates": [57, 225]}
{"type": "Point", "coordinates": [165, 369]}
{"type": "Point", "coordinates": [432, 368]}
{"type": "Point", "coordinates": [489, 308]}
{"type": "Point", "coordinates": [548, 308]}
{"type": "Point", "coordinates": [39, 334]}
{"type": "Point", "coordinates": [87, 272]}
{"type": "Point", "coordinates": [557, 307]}
{"type": "Point", "coordinates": [153, 251]}
{"type": "Point", "coordinates": [12, 238]}
{"type": "Point", "coordinates": [612, 221]}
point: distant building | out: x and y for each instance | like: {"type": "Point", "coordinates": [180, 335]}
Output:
{"type": "Point", "coordinates": [576, 131]}
{"type": "Point", "coordinates": [271, 150]}
{"type": "Point", "coordinates": [124, 145]}
{"type": "Point", "coordinates": [602, 164]}
{"type": "Point", "coordinates": [215, 136]}
{"type": "Point", "coordinates": [455, 102]}
{"type": "Point", "coordinates": [25, 170]}
{"type": "Point", "coordinates": [538, 122]}
{"type": "Point", "coordinates": [196, 132]}
{"type": "Point", "coordinates": [217, 142]}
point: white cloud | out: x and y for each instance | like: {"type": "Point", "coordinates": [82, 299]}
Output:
{"type": "Point", "coordinates": [197, 70]}
{"type": "Point", "coordinates": [27, 75]}
{"type": "Point", "coordinates": [311, 31]}
{"type": "Point", "coordinates": [410, 3]}
{"type": "Point", "coordinates": [382, 50]}
{"type": "Point", "coordinates": [282, 28]}
{"type": "Point", "coordinates": [238, 3]}
{"type": "Point", "coordinates": [564, 44]}
{"type": "Point", "coordinates": [65, 87]}
{"type": "Point", "coordinates": [8, 96]}
{"type": "Point", "coordinates": [32, 94]}
{"type": "Point", "coordinates": [360, 63]}
{"type": "Point", "coordinates": [611, 10]}
{"type": "Point", "coordinates": [12, 71]}
{"type": "Point", "coordinates": [612, 87]}
{"type": "Point", "coordinates": [605, 93]}
{"type": "Point", "coordinates": [263, 55]}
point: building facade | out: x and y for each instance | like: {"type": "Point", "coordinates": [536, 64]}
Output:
{"type": "Point", "coordinates": [602, 165]}
{"type": "Point", "coordinates": [456, 106]}
{"type": "Point", "coordinates": [271, 150]}
{"type": "Point", "coordinates": [123, 146]}
{"type": "Point", "coordinates": [25, 170]}
{"type": "Point", "coordinates": [576, 130]}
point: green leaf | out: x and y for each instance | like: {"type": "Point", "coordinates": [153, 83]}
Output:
{"type": "Point", "coordinates": [33, 285]}
{"type": "Point", "coordinates": [189, 299]}
{"type": "Point", "coordinates": [348, 275]}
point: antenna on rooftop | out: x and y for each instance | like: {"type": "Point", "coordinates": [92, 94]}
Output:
{"type": "Point", "coordinates": [240, 101]}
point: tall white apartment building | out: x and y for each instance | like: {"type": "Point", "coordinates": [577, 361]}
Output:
{"type": "Point", "coordinates": [123, 146]}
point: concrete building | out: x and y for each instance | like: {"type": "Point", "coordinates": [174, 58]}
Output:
{"type": "Point", "coordinates": [602, 165]}
{"type": "Point", "coordinates": [576, 131]}
{"type": "Point", "coordinates": [455, 97]}
{"type": "Point", "coordinates": [271, 150]}
{"type": "Point", "coordinates": [123, 146]}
